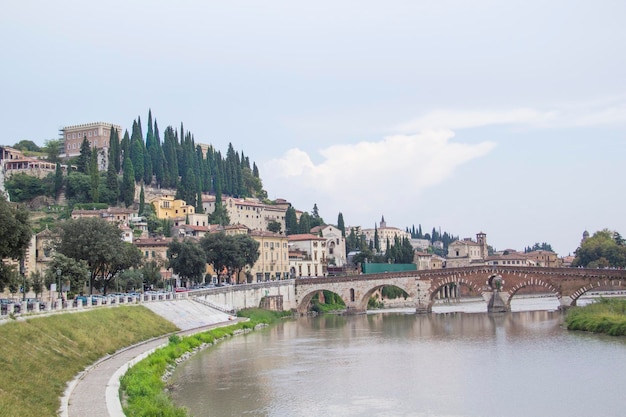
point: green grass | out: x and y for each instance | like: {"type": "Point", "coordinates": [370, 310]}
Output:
{"type": "Point", "coordinates": [142, 387]}
{"type": "Point", "coordinates": [605, 316]}
{"type": "Point", "coordinates": [39, 356]}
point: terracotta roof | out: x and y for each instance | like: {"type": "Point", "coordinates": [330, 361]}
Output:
{"type": "Point", "coordinates": [304, 236]}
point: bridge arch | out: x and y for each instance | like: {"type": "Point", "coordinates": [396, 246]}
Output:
{"type": "Point", "coordinates": [599, 285]}
{"type": "Point", "coordinates": [305, 301]}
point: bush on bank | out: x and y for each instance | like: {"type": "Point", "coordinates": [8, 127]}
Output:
{"type": "Point", "coordinates": [142, 388]}
{"type": "Point", "coordinates": [604, 316]}
{"type": "Point", "coordinates": [40, 355]}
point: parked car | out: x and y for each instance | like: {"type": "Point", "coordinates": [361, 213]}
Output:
{"type": "Point", "coordinates": [4, 305]}
{"type": "Point", "coordinates": [32, 302]}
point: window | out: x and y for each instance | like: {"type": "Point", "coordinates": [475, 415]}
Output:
{"type": "Point", "coordinates": [90, 133]}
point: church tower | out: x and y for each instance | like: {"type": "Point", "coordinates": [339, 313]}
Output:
{"type": "Point", "coordinates": [481, 239]}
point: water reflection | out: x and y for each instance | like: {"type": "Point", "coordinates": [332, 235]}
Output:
{"type": "Point", "coordinates": [394, 364]}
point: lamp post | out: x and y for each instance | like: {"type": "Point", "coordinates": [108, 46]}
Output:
{"type": "Point", "coordinates": [59, 280]}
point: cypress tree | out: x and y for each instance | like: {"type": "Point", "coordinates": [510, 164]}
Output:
{"type": "Point", "coordinates": [340, 224]}
{"type": "Point", "coordinates": [112, 184]}
{"type": "Point", "coordinates": [58, 180]}
{"type": "Point", "coordinates": [128, 182]}
{"type": "Point", "coordinates": [125, 146]}
{"type": "Point", "coordinates": [84, 158]}
{"type": "Point", "coordinates": [114, 149]}
{"type": "Point", "coordinates": [142, 201]}
{"type": "Point", "coordinates": [94, 176]}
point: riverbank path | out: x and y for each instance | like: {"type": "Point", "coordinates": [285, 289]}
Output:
{"type": "Point", "coordinates": [94, 392]}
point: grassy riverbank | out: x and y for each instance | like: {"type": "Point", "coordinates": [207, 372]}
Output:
{"type": "Point", "coordinates": [40, 355]}
{"type": "Point", "coordinates": [605, 316]}
{"type": "Point", "coordinates": [143, 388]}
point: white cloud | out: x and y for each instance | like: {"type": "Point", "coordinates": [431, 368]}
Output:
{"type": "Point", "coordinates": [348, 178]}
{"type": "Point", "coordinates": [446, 119]}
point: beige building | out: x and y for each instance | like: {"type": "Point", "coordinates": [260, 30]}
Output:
{"type": "Point", "coordinates": [273, 261]}
{"type": "Point", "coordinates": [385, 234]}
{"type": "Point", "coordinates": [307, 255]}
{"type": "Point", "coordinates": [545, 258]}
{"type": "Point", "coordinates": [422, 260]}
{"type": "Point", "coordinates": [510, 259]}
{"type": "Point", "coordinates": [250, 212]}
{"type": "Point", "coordinates": [118, 215]}
{"type": "Point", "coordinates": [98, 135]}
{"type": "Point", "coordinates": [466, 252]}
{"type": "Point", "coordinates": [335, 244]}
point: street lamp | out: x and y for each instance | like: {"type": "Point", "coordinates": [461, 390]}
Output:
{"type": "Point", "coordinates": [59, 279]}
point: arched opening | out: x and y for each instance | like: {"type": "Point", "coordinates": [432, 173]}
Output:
{"type": "Point", "coordinates": [458, 297]}
{"type": "Point", "coordinates": [388, 296]}
{"type": "Point", "coordinates": [533, 297]}
{"type": "Point", "coordinates": [322, 301]}
{"type": "Point", "coordinates": [595, 294]}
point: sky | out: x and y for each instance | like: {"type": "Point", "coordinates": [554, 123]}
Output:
{"type": "Point", "coordinates": [507, 118]}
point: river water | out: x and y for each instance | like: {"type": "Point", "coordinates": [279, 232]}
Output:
{"type": "Point", "coordinates": [397, 364]}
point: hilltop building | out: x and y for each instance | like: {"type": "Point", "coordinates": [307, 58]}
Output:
{"type": "Point", "coordinates": [467, 252]}
{"type": "Point", "coordinates": [385, 234]}
{"type": "Point", "coordinates": [97, 134]}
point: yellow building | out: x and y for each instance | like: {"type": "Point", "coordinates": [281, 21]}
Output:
{"type": "Point", "coordinates": [273, 261]}
{"type": "Point", "coordinates": [166, 207]}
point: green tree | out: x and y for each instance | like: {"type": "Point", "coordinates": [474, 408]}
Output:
{"type": "Point", "coordinates": [78, 188]}
{"type": "Point", "coordinates": [52, 149]}
{"type": "Point", "coordinates": [304, 225]}
{"type": "Point", "coordinates": [142, 201]}
{"type": "Point", "coordinates": [151, 272]}
{"type": "Point", "coordinates": [58, 180]}
{"type": "Point", "coordinates": [112, 185]}
{"type": "Point", "coordinates": [27, 145]}
{"type": "Point", "coordinates": [84, 158]}
{"type": "Point", "coordinates": [74, 272]}
{"type": "Point", "coordinates": [128, 182]}
{"type": "Point", "coordinates": [291, 221]}
{"type": "Point", "coordinates": [94, 175]}
{"type": "Point", "coordinates": [15, 234]}
{"type": "Point", "coordinates": [341, 225]}
{"type": "Point", "coordinates": [37, 283]}
{"type": "Point", "coordinates": [221, 252]}
{"type": "Point", "coordinates": [600, 251]}
{"type": "Point", "coordinates": [187, 259]}
{"type": "Point", "coordinates": [274, 226]}
{"type": "Point", "coordinates": [22, 187]}
{"type": "Point", "coordinates": [99, 243]}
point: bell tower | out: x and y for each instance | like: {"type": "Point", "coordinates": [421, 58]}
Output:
{"type": "Point", "coordinates": [481, 239]}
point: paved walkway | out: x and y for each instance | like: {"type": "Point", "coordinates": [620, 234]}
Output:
{"type": "Point", "coordinates": [94, 392]}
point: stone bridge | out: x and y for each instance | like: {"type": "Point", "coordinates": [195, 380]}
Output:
{"type": "Point", "coordinates": [497, 285]}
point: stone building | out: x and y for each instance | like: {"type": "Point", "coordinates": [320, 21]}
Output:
{"type": "Point", "coordinates": [335, 244]}
{"type": "Point", "coordinates": [466, 252]}
{"type": "Point", "coordinates": [97, 134]}
{"type": "Point", "coordinates": [385, 234]}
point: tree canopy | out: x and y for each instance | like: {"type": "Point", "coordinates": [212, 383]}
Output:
{"type": "Point", "coordinates": [15, 234]}
{"type": "Point", "coordinates": [229, 254]}
{"type": "Point", "coordinates": [605, 249]}
{"type": "Point", "coordinates": [187, 259]}
{"type": "Point", "coordinates": [98, 243]}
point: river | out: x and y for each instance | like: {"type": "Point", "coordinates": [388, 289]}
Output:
{"type": "Point", "coordinates": [398, 364]}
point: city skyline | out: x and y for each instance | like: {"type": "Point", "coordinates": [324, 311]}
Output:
{"type": "Point", "coordinates": [508, 119]}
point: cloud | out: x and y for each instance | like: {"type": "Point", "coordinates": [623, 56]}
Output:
{"type": "Point", "coordinates": [350, 177]}
{"type": "Point", "coordinates": [454, 119]}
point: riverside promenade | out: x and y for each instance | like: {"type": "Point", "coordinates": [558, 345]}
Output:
{"type": "Point", "coordinates": [95, 391]}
